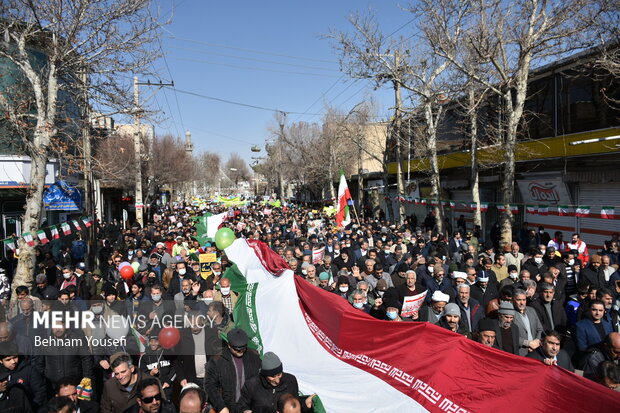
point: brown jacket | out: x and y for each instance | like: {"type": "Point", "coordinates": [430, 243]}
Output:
{"type": "Point", "coordinates": [115, 399]}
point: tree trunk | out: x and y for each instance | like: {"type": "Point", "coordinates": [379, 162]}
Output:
{"type": "Point", "coordinates": [473, 122]}
{"type": "Point", "coordinates": [508, 175]}
{"type": "Point", "coordinates": [32, 218]}
{"type": "Point", "coordinates": [435, 176]}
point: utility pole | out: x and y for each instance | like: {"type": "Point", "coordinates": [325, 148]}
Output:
{"type": "Point", "coordinates": [137, 141]}
{"type": "Point", "coordinates": [88, 171]}
{"type": "Point", "coordinates": [400, 188]}
{"type": "Point", "coordinates": [279, 155]}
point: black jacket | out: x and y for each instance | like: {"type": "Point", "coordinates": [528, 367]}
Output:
{"type": "Point", "coordinates": [29, 377]}
{"type": "Point", "coordinates": [258, 395]}
{"type": "Point", "coordinates": [562, 359]}
{"type": "Point", "coordinates": [557, 311]}
{"type": "Point", "coordinates": [69, 360]}
{"type": "Point", "coordinates": [221, 377]}
{"type": "Point", "coordinates": [534, 269]}
{"type": "Point", "coordinates": [594, 278]}
{"type": "Point", "coordinates": [15, 400]}
{"type": "Point", "coordinates": [160, 359]}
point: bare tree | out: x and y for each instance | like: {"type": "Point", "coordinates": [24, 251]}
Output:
{"type": "Point", "coordinates": [237, 169]}
{"type": "Point", "coordinates": [171, 163]}
{"type": "Point", "coordinates": [75, 43]}
{"type": "Point", "coordinates": [113, 160]}
{"type": "Point", "coordinates": [207, 170]}
{"type": "Point", "coordinates": [508, 38]}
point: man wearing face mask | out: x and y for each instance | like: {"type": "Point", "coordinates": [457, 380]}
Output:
{"type": "Point", "coordinates": [535, 265]}
{"type": "Point", "coordinates": [358, 299]}
{"type": "Point", "coordinates": [513, 277]}
{"type": "Point", "coordinates": [69, 277]}
{"type": "Point", "coordinates": [226, 295]}
{"type": "Point", "coordinates": [179, 275]}
{"type": "Point", "coordinates": [156, 308]}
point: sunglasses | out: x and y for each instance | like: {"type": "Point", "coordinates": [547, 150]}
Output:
{"type": "Point", "coordinates": [239, 348]}
{"type": "Point", "coordinates": [149, 400]}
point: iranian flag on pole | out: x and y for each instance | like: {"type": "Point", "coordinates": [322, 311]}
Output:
{"type": "Point", "coordinates": [88, 221]}
{"type": "Point", "coordinates": [66, 229]}
{"type": "Point", "coordinates": [10, 244]}
{"type": "Point", "coordinates": [531, 209]}
{"type": "Point", "coordinates": [343, 217]}
{"type": "Point", "coordinates": [76, 225]}
{"type": "Point", "coordinates": [54, 231]}
{"type": "Point", "coordinates": [28, 238]}
{"type": "Point", "coordinates": [543, 209]}
{"type": "Point", "coordinates": [42, 237]}
{"type": "Point", "coordinates": [582, 211]}
{"type": "Point", "coordinates": [562, 210]}
{"type": "Point", "coordinates": [325, 342]}
{"type": "Point", "coordinates": [608, 212]}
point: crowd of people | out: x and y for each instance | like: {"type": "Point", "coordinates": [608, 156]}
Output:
{"type": "Point", "coordinates": [541, 297]}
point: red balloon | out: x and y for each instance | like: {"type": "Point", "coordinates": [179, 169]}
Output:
{"type": "Point", "coordinates": [127, 272]}
{"type": "Point", "coordinates": [169, 337]}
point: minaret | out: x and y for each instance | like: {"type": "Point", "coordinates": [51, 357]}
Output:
{"type": "Point", "coordinates": [189, 147]}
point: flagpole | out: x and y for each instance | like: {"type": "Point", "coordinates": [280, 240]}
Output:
{"type": "Point", "coordinates": [355, 211]}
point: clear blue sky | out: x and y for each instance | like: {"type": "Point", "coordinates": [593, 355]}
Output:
{"type": "Point", "coordinates": [263, 53]}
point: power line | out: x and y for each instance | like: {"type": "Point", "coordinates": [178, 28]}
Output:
{"type": "Point", "coordinates": [247, 105]}
{"type": "Point", "coordinates": [254, 59]}
{"type": "Point", "coordinates": [252, 68]}
{"type": "Point", "coordinates": [250, 50]}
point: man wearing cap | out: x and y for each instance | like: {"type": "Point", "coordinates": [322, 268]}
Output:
{"type": "Point", "coordinates": [398, 276]}
{"type": "Point", "coordinates": [262, 393]}
{"type": "Point", "coordinates": [324, 282]}
{"type": "Point", "coordinates": [451, 320]}
{"type": "Point", "coordinates": [530, 327]}
{"type": "Point", "coordinates": [22, 372]}
{"type": "Point", "coordinates": [228, 373]}
{"type": "Point", "coordinates": [550, 352]}
{"type": "Point", "coordinates": [487, 332]}
{"type": "Point", "coordinates": [157, 362]}
{"type": "Point", "coordinates": [439, 282]}
{"type": "Point", "coordinates": [506, 332]}
{"type": "Point", "coordinates": [432, 312]}
{"type": "Point", "coordinates": [484, 290]}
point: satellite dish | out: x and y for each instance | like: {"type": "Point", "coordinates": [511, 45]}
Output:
{"type": "Point", "coordinates": [255, 148]}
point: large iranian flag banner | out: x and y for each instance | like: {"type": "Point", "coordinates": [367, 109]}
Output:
{"type": "Point", "coordinates": [356, 363]}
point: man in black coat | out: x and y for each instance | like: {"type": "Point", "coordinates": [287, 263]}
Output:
{"type": "Point", "coordinates": [550, 352]}
{"type": "Point", "coordinates": [22, 372]}
{"type": "Point", "coordinates": [593, 273]}
{"type": "Point", "coordinates": [261, 393]}
{"type": "Point", "coordinates": [507, 333]}
{"type": "Point", "coordinates": [535, 265]}
{"type": "Point", "coordinates": [222, 382]}
{"type": "Point", "coordinates": [550, 310]}
{"type": "Point", "coordinates": [64, 353]}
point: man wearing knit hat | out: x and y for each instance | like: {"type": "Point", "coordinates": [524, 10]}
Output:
{"type": "Point", "coordinates": [263, 392]}
{"type": "Point", "coordinates": [506, 333]}
{"type": "Point", "coordinates": [451, 320]}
